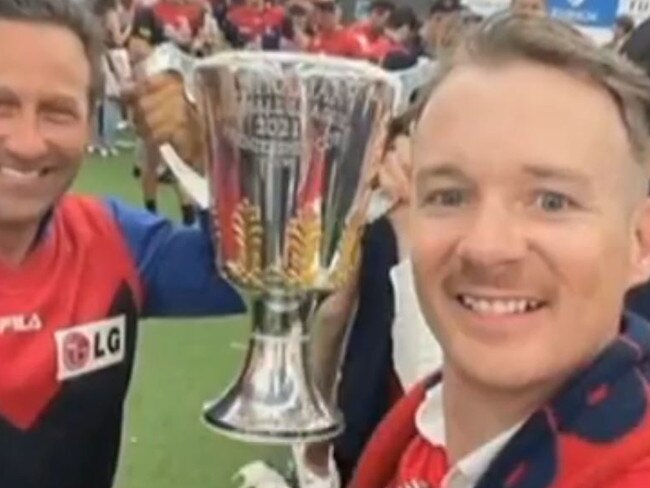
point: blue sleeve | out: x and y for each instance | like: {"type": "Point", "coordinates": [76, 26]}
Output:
{"type": "Point", "coordinates": [176, 266]}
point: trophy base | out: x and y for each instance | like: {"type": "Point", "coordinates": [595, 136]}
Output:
{"type": "Point", "coordinates": [286, 436]}
{"type": "Point", "coordinates": [275, 400]}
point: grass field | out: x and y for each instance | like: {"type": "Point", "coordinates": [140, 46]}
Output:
{"type": "Point", "coordinates": [180, 364]}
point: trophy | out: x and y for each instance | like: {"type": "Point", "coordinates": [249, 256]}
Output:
{"type": "Point", "coordinates": [292, 140]}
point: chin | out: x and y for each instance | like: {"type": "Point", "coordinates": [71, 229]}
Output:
{"type": "Point", "coordinates": [23, 215]}
{"type": "Point", "coordinates": [507, 369]}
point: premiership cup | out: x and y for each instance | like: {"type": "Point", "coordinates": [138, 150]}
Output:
{"type": "Point", "coordinates": [292, 141]}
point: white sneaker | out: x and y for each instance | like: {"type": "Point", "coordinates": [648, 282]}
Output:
{"type": "Point", "coordinates": [259, 475]}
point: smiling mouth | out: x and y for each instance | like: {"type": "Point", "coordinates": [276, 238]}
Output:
{"type": "Point", "coordinates": [22, 175]}
{"type": "Point", "coordinates": [499, 306]}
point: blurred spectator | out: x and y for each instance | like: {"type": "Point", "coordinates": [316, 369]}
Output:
{"type": "Point", "coordinates": [116, 74]}
{"type": "Point", "coordinates": [180, 20]}
{"type": "Point", "coordinates": [220, 9]}
{"type": "Point", "coordinates": [623, 27]}
{"type": "Point", "coordinates": [442, 27]}
{"type": "Point", "coordinates": [330, 37]}
{"type": "Point", "coordinates": [371, 30]}
{"type": "Point", "coordinates": [529, 7]}
{"type": "Point", "coordinates": [256, 20]}
{"type": "Point", "coordinates": [392, 49]}
{"type": "Point", "coordinates": [295, 28]}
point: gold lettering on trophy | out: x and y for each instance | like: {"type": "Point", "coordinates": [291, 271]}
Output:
{"type": "Point", "coordinates": [246, 268]}
{"type": "Point", "coordinates": [302, 249]}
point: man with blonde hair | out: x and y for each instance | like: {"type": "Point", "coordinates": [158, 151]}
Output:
{"type": "Point", "coordinates": [530, 223]}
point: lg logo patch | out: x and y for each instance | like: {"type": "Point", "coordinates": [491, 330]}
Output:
{"type": "Point", "coordinates": [90, 347]}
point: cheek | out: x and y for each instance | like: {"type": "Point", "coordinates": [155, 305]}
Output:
{"type": "Point", "coordinates": [583, 256]}
{"type": "Point", "coordinates": [68, 139]}
{"type": "Point", "coordinates": [432, 247]}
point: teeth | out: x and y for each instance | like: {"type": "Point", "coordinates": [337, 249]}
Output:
{"type": "Point", "coordinates": [14, 173]}
{"type": "Point", "coordinates": [500, 306]}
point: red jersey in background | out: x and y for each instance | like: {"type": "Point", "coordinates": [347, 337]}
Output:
{"type": "Point", "coordinates": [338, 42]}
{"type": "Point", "coordinates": [253, 22]}
{"type": "Point", "coordinates": [179, 15]}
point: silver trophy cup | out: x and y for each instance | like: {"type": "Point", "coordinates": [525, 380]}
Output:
{"type": "Point", "coordinates": [292, 141]}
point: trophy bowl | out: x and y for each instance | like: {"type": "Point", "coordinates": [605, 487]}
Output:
{"type": "Point", "coordinates": [292, 141]}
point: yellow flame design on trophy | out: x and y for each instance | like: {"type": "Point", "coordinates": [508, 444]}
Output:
{"type": "Point", "coordinates": [247, 227]}
{"type": "Point", "coordinates": [302, 252]}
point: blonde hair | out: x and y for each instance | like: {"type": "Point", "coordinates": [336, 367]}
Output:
{"type": "Point", "coordinates": [506, 38]}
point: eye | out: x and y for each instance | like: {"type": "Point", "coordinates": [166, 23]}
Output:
{"type": "Point", "coordinates": [7, 107]}
{"type": "Point", "coordinates": [446, 198]}
{"type": "Point", "coordinates": [60, 115]}
{"type": "Point", "coordinates": [553, 202]}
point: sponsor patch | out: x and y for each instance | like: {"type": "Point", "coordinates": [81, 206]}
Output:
{"type": "Point", "coordinates": [90, 347]}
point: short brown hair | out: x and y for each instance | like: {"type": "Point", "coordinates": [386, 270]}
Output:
{"type": "Point", "coordinates": [505, 38]}
{"type": "Point", "coordinates": [72, 15]}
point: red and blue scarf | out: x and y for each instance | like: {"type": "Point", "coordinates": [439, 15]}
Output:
{"type": "Point", "coordinates": [594, 430]}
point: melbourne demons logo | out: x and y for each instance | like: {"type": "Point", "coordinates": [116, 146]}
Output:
{"type": "Point", "coordinates": [87, 348]}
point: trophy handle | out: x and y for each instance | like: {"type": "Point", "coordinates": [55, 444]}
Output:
{"type": "Point", "coordinates": [168, 58]}
{"type": "Point", "coordinates": [191, 181]}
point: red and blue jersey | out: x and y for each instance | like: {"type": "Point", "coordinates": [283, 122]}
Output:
{"type": "Point", "coordinates": [68, 329]}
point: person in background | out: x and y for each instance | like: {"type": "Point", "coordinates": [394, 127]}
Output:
{"type": "Point", "coordinates": [623, 28]}
{"type": "Point", "coordinates": [371, 29]}
{"type": "Point", "coordinates": [442, 27]}
{"type": "Point", "coordinates": [528, 231]}
{"type": "Point", "coordinates": [76, 272]}
{"type": "Point", "coordinates": [529, 7]}
{"type": "Point", "coordinates": [180, 20]}
{"type": "Point", "coordinates": [109, 112]}
{"type": "Point", "coordinates": [294, 32]}
{"type": "Point", "coordinates": [258, 22]}
{"type": "Point", "coordinates": [329, 36]}
{"type": "Point", "coordinates": [393, 49]}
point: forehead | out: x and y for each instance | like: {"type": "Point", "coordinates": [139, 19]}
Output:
{"type": "Point", "coordinates": [521, 111]}
{"type": "Point", "coordinates": [42, 57]}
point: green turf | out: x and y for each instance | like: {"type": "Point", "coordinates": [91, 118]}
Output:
{"type": "Point", "coordinates": [180, 364]}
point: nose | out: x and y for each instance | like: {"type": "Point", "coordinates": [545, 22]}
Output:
{"type": "Point", "coordinates": [23, 138]}
{"type": "Point", "coordinates": [494, 237]}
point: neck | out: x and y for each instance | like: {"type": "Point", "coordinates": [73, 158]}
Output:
{"type": "Point", "coordinates": [475, 414]}
{"type": "Point", "coordinates": [15, 242]}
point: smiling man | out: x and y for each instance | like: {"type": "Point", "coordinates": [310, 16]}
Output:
{"type": "Point", "coordinates": [75, 272]}
{"type": "Point", "coordinates": [530, 223]}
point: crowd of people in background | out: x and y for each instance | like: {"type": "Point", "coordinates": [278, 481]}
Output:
{"type": "Point", "coordinates": [391, 35]}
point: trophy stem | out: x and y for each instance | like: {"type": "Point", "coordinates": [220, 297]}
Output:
{"type": "Point", "coordinates": [275, 400]}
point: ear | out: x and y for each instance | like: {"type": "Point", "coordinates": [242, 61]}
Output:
{"type": "Point", "coordinates": [640, 254]}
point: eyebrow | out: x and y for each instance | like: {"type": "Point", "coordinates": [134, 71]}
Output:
{"type": "Point", "coordinates": [537, 171]}
{"type": "Point", "coordinates": [545, 172]}
{"type": "Point", "coordinates": [6, 93]}
{"type": "Point", "coordinates": [49, 100]}
{"type": "Point", "coordinates": [443, 170]}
